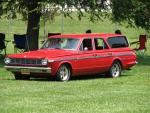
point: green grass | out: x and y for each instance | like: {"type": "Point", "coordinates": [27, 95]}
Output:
{"type": "Point", "coordinates": [11, 27]}
{"type": "Point", "coordinates": [129, 93]}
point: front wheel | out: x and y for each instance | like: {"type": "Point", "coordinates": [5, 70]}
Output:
{"type": "Point", "coordinates": [115, 70]}
{"type": "Point", "coordinates": [63, 73]}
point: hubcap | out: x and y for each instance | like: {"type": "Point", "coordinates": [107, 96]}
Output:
{"type": "Point", "coordinates": [115, 70]}
{"type": "Point", "coordinates": [64, 73]}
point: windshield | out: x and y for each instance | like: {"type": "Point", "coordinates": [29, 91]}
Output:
{"type": "Point", "coordinates": [61, 43]}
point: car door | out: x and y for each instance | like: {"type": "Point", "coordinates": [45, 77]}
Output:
{"type": "Point", "coordinates": [103, 56]}
{"type": "Point", "coordinates": [85, 58]}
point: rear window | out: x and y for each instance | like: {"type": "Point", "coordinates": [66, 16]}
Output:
{"type": "Point", "coordinates": [118, 42]}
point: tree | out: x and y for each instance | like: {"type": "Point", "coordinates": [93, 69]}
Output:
{"type": "Point", "coordinates": [29, 11]}
{"type": "Point", "coordinates": [32, 11]}
{"type": "Point", "coordinates": [135, 12]}
{"type": "Point", "coordinates": [33, 24]}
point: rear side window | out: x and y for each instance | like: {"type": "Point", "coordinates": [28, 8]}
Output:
{"type": "Point", "coordinates": [118, 42]}
{"type": "Point", "coordinates": [100, 44]}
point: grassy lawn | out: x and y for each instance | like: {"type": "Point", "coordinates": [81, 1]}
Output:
{"type": "Point", "coordinates": [129, 93]}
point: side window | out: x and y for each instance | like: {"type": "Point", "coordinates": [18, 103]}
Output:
{"type": "Point", "coordinates": [86, 45]}
{"type": "Point", "coordinates": [118, 42]}
{"type": "Point", "coordinates": [100, 44]}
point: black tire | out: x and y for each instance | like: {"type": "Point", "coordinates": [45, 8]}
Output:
{"type": "Point", "coordinates": [63, 73]}
{"type": "Point", "coordinates": [115, 70]}
{"type": "Point", "coordinates": [21, 77]}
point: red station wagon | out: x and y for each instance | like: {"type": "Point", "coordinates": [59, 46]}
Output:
{"type": "Point", "coordinates": [63, 56]}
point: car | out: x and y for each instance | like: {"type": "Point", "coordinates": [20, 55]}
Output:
{"type": "Point", "coordinates": [67, 55]}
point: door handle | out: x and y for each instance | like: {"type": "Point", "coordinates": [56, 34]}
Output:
{"type": "Point", "coordinates": [95, 55]}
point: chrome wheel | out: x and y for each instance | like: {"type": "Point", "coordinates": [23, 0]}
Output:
{"type": "Point", "coordinates": [63, 73]}
{"type": "Point", "coordinates": [115, 70]}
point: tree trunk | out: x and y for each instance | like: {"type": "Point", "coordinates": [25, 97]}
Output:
{"type": "Point", "coordinates": [33, 26]}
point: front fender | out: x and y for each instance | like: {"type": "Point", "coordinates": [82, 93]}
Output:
{"type": "Point", "coordinates": [55, 66]}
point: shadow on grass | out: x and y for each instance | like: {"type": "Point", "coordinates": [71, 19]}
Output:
{"type": "Point", "coordinates": [89, 77]}
{"type": "Point", "coordinates": [52, 79]}
{"type": "Point", "coordinates": [77, 78]}
{"type": "Point", "coordinates": [145, 60]}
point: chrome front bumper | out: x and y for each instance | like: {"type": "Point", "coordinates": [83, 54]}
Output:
{"type": "Point", "coordinates": [28, 70]}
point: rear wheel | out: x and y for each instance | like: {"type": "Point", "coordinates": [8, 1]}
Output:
{"type": "Point", "coordinates": [115, 70]}
{"type": "Point", "coordinates": [63, 73]}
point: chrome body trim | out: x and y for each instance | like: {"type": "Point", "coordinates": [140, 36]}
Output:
{"type": "Point", "coordinates": [31, 69]}
{"type": "Point", "coordinates": [89, 57]}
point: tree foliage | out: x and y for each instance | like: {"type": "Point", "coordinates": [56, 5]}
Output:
{"type": "Point", "coordinates": [13, 7]}
{"type": "Point", "coordinates": [135, 12]}
{"type": "Point", "coordinates": [33, 10]}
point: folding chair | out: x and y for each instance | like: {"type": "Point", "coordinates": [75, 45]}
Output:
{"type": "Point", "coordinates": [140, 45]}
{"type": "Point", "coordinates": [19, 43]}
{"type": "Point", "coordinates": [3, 43]}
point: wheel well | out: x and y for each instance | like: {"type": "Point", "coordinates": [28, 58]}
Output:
{"type": "Point", "coordinates": [117, 60]}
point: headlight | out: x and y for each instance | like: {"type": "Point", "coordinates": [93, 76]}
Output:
{"type": "Point", "coordinates": [44, 62]}
{"type": "Point", "coordinates": [7, 60]}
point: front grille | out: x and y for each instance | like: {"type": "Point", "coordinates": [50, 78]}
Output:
{"type": "Point", "coordinates": [23, 61]}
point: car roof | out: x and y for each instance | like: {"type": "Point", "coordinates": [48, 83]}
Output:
{"type": "Point", "coordinates": [88, 35]}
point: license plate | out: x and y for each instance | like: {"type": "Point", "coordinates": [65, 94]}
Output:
{"type": "Point", "coordinates": [25, 71]}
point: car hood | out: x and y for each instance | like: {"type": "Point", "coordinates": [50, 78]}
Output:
{"type": "Point", "coordinates": [43, 53]}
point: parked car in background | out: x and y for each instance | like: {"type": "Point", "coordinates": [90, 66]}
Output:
{"type": "Point", "coordinates": [63, 56]}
